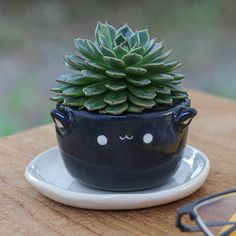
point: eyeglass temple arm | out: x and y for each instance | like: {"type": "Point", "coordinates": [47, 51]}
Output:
{"type": "Point", "coordinates": [230, 230]}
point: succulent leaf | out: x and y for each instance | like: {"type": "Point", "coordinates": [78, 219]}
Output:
{"type": "Point", "coordinates": [136, 70]}
{"type": "Point", "coordinates": [83, 49]}
{"type": "Point", "coordinates": [115, 74]}
{"type": "Point", "coordinates": [114, 62]}
{"type": "Point", "coordinates": [120, 39]}
{"type": "Point", "coordinates": [139, 82]}
{"type": "Point", "coordinates": [161, 78]}
{"type": "Point", "coordinates": [114, 98]}
{"type": "Point", "coordinates": [125, 31]}
{"type": "Point", "coordinates": [120, 51]}
{"type": "Point", "coordinates": [73, 92]}
{"type": "Point", "coordinates": [117, 109]}
{"type": "Point", "coordinates": [131, 59]}
{"type": "Point", "coordinates": [95, 89]}
{"type": "Point", "coordinates": [134, 40]}
{"type": "Point", "coordinates": [141, 102]}
{"type": "Point", "coordinates": [58, 99]}
{"type": "Point", "coordinates": [75, 102]}
{"type": "Point", "coordinates": [143, 36]}
{"type": "Point", "coordinates": [164, 100]}
{"type": "Point", "coordinates": [116, 86]}
{"type": "Point", "coordinates": [74, 62]}
{"type": "Point", "coordinates": [134, 109]}
{"type": "Point", "coordinates": [107, 52]}
{"type": "Point", "coordinates": [121, 71]}
{"type": "Point", "coordinates": [72, 79]}
{"type": "Point", "coordinates": [143, 92]}
{"type": "Point", "coordinates": [95, 103]}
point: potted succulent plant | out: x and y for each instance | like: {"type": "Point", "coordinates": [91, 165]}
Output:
{"type": "Point", "coordinates": [121, 119]}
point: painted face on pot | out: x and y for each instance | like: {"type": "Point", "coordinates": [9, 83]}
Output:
{"type": "Point", "coordinates": [104, 140]}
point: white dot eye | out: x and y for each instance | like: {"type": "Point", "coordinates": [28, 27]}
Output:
{"type": "Point", "coordinates": [147, 138]}
{"type": "Point", "coordinates": [102, 140]}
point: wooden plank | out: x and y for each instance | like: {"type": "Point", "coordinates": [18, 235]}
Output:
{"type": "Point", "coordinates": [24, 211]}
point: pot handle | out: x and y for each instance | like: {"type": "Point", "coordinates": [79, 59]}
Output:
{"type": "Point", "coordinates": [62, 121]}
{"type": "Point", "coordinates": [184, 117]}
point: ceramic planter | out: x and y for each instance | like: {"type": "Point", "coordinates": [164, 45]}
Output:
{"type": "Point", "coordinates": [125, 152]}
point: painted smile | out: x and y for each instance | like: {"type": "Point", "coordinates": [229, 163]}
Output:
{"type": "Point", "coordinates": [126, 137]}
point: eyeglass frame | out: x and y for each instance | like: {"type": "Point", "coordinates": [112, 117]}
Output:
{"type": "Point", "coordinates": [189, 209]}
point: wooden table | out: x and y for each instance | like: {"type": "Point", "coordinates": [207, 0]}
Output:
{"type": "Point", "coordinates": [24, 211]}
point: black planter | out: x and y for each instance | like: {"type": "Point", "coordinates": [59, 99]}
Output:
{"type": "Point", "coordinates": [126, 152]}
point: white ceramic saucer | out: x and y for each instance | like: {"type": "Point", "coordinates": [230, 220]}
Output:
{"type": "Point", "coordinates": [48, 175]}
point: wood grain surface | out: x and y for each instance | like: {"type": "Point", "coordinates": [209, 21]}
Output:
{"type": "Point", "coordinates": [24, 211]}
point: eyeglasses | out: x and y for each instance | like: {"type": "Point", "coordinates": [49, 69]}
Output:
{"type": "Point", "coordinates": [213, 215]}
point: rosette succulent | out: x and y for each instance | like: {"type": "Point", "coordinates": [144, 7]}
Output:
{"type": "Point", "coordinates": [121, 71]}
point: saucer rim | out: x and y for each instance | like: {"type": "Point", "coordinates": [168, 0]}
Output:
{"type": "Point", "coordinates": [118, 200]}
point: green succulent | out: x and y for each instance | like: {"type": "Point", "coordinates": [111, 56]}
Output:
{"type": "Point", "coordinates": [122, 71]}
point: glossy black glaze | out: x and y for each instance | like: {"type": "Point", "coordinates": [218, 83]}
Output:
{"type": "Point", "coordinates": [126, 162]}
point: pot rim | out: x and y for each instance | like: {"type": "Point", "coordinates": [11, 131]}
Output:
{"type": "Point", "coordinates": [143, 115]}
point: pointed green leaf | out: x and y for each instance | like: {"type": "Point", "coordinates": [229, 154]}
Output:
{"type": "Point", "coordinates": [95, 89]}
{"type": "Point", "coordinates": [114, 62]}
{"type": "Point", "coordinates": [177, 76]}
{"type": "Point", "coordinates": [138, 50]}
{"type": "Point", "coordinates": [131, 58]}
{"type": "Point", "coordinates": [163, 78]}
{"type": "Point", "coordinates": [58, 99]}
{"type": "Point", "coordinates": [164, 100]}
{"type": "Point", "coordinates": [75, 102]}
{"type": "Point", "coordinates": [152, 54]}
{"type": "Point", "coordinates": [163, 56]}
{"type": "Point", "coordinates": [125, 30]}
{"type": "Point", "coordinates": [116, 109]}
{"type": "Point", "coordinates": [134, 40]}
{"type": "Point", "coordinates": [104, 41]}
{"type": "Point", "coordinates": [167, 67]}
{"type": "Point", "coordinates": [144, 36]}
{"type": "Point", "coordinates": [142, 92]}
{"type": "Point", "coordinates": [73, 92]}
{"type": "Point", "coordinates": [149, 46]}
{"type": "Point", "coordinates": [82, 48]}
{"type": "Point", "coordinates": [120, 51]}
{"type": "Point", "coordinates": [112, 31]}
{"type": "Point", "coordinates": [73, 79]}
{"type": "Point", "coordinates": [94, 66]}
{"type": "Point", "coordinates": [134, 109]}
{"type": "Point", "coordinates": [74, 62]}
{"type": "Point", "coordinates": [139, 82]}
{"type": "Point", "coordinates": [153, 66]}
{"type": "Point", "coordinates": [179, 96]}
{"type": "Point", "coordinates": [97, 31]}
{"type": "Point", "coordinates": [162, 90]}
{"type": "Point", "coordinates": [85, 78]}
{"type": "Point", "coordinates": [174, 82]}
{"type": "Point", "coordinates": [95, 50]}
{"type": "Point", "coordinates": [89, 74]}
{"type": "Point", "coordinates": [107, 52]}
{"type": "Point", "coordinates": [116, 85]}
{"type": "Point", "coordinates": [120, 40]}
{"type": "Point", "coordinates": [104, 30]}
{"type": "Point", "coordinates": [141, 102]}
{"type": "Point", "coordinates": [176, 89]}
{"type": "Point", "coordinates": [136, 70]}
{"type": "Point", "coordinates": [115, 74]}
{"type": "Point", "coordinates": [114, 98]}
{"type": "Point", "coordinates": [60, 88]}
{"type": "Point", "coordinates": [95, 103]}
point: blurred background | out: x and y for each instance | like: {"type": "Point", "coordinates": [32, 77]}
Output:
{"type": "Point", "coordinates": [34, 35]}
